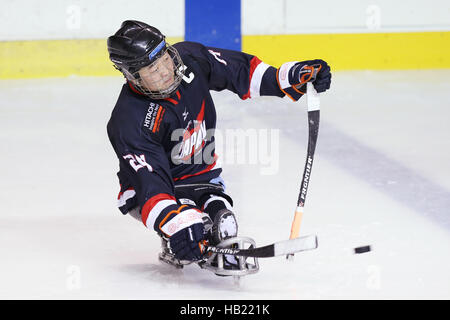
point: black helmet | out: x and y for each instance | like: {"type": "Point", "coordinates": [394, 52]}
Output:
{"type": "Point", "coordinates": [136, 45]}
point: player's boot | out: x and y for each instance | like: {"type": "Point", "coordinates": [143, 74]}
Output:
{"type": "Point", "coordinates": [225, 227]}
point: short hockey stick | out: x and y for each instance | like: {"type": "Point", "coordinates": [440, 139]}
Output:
{"type": "Point", "coordinates": [280, 248]}
{"type": "Point", "coordinates": [313, 124]}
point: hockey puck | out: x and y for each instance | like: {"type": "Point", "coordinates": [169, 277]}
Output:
{"type": "Point", "coordinates": [362, 249]}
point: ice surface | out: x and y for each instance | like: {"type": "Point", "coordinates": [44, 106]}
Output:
{"type": "Point", "coordinates": [381, 176]}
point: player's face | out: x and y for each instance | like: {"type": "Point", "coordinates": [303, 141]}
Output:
{"type": "Point", "coordinates": [159, 75]}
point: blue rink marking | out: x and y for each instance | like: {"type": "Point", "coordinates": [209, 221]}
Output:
{"type": "Point", "coordinates": [214, 23]}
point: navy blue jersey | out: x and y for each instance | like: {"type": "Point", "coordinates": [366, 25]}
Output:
{"type": "Point", "coordinates": [161, 143]}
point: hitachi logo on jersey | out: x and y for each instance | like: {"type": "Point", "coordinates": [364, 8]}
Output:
{"type": "Point", "coordinates": [148, 116]}
{"type": "Point", "coordinates": [154, 117]}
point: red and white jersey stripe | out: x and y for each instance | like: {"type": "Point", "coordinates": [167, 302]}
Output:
{"type": "Point", "coordinates": [154, 206]}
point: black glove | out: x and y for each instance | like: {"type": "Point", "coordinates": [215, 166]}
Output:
{"type": "Point", "coordinates": [293, 76]}
{"type": "Point", "coordinates": [186, 243]}
{"type": "Point", "coordinates": [186, 233]}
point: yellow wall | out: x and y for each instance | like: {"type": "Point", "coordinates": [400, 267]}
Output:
{"type": "Point", "coordinates": [376, 51]}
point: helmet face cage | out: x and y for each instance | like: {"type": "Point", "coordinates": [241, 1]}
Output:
{"type": "Point", "coordinates": [178, 71]}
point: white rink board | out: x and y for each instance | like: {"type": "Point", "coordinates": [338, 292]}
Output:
{"type": "Point", "coordinates": [83, 19]}
{"type": "Point", "coordinates": [299, 17]}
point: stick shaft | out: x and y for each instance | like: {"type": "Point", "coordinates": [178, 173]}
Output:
{"type": "Point", "coordinates": [295, 228]}
{"type": "Point", "coordinates": [313, 125]}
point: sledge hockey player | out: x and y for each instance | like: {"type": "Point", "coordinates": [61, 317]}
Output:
{"type": "Point", "coordinates": [162, 130]}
